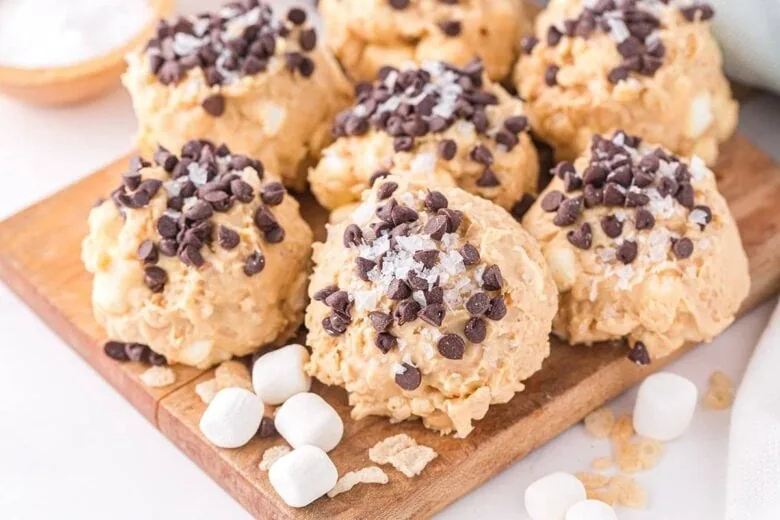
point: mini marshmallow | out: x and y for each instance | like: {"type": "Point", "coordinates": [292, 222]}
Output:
{"type": "Point", "coordinates": [279, 375]}
{"type": "Point", "coordinates": [664, 406]}
{"type": "Point", "coordinates": [303, 475]}
{"type": "Point", "coordinates": [591, 510]}
{"type": "Point", "coordinates": [232, 417]}
{"type": "Point", "coordinates": [307, 419]}
{"type": "Point", "coordinates": [551, 496]}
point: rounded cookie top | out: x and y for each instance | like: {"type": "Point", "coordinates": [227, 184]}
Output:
{"type": "Point", "coordinates": [641, 245]}
{"type": "Point", "coordinates": [428, 303]}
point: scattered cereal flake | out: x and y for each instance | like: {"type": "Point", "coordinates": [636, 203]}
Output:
{"type": "Point", "coordinates": [413, 460]}
{"type": "Point", "coordinates": [602, 463]}
{"type": "Point", "coordinates": [157, 377]}
{"type": "Point", "coordinates": [207, 390]}
{"type": "Point", "coordinates": [600, 422]}
{"type": "Point", "coordinates": [384, 450]}
{"type": "Point", "coordinates": [272, 454]}
{"type": "Point", "coordinates": [233, 374]}
{"type": "Point", "coordinates": [623, 428]}
{"type": "Point", "coordinates": [627, 456]}
{"type": "Point", "coordinates": [649, 451]}
{"type": "Point", "coordinates": [368, 475]}
{"type": "Point", "coordinates": [592, 480]}
{"type": "Point", "coordinates": [720, 394]}
{"type": "Point", "coordinates": [718, 378]}
{"type": "Point", "coordinates": [629, 492]}
{"type": "Point", "coordinates": [608, 496]}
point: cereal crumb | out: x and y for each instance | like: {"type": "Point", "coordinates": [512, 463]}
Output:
{"type": "Point", "coordinates": [629, 493]}
{"type": "Point", "coordinates": [600, 422]}
{"type": "Point", "coordinates": [592, 480]}
{"type": "Point", "coordinates": [649, 451]}
{"type": "Point", "coordinates": [368, 475]}
{"type": "Point", "coordinates": [157, 377]}
{"type": "Point", "coordinates": [627, 456]}
{"type": "Point", "coordinates": [602, 463]}
{"type": "Point", "coordinates": [623, 429]}
{"type": "Point", "coordinates": [206, 390]}
{"type": "Point", "coordinates": [403, 453]}
{"type": "Point", "coordinates": [720, 394]}
{"type": "Point", "coordinates": [272, 454]}
{"type": "Point", "coordinates": [233, 374]}
{"type": "Point", "coordinates": [608, 496]}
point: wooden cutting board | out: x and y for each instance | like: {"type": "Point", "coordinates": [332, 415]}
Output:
{"type": "Point", "coordinates": [39, 260]}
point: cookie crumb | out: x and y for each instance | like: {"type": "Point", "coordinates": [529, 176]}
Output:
{"type": "Point", "coordinates": [271, 455]}
{"type": "Point", "coordinates": [368, 475]}
{"type": "Point", "coordinates": [720, 393]}
{"type": "Point", "coordinates": [602, 463]}
{"type": "Point", "coordinates": [599, 423]}
{"type": "Point", "coordinates": [206, 390]}
{"type": "Point", "coordinates": [403, 453]}
{"type": "Point", "coordinates": [233, 374]}
{"type": "Point", "coordinates": [592, 480]}
{"type": "Point", "coordinates": [158, 377]}
{"type": "Point", "coordinates": [629, 493]}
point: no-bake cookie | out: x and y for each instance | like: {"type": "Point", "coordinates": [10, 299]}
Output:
{"type": "Point", "coordinates": [649, 67]}
{"type": "Point", "coordinates": [366, 35]}
{"type": "Point", "coordinates": [201, 256]}
{"type": "Point", "coordinates": [642, 246]}
{"type": "Point", "coordinates": [243, 76]}
{"type": "Point", "coordinates": [428, 303]}
{"type": "Point", "coordinates": [438, 124]}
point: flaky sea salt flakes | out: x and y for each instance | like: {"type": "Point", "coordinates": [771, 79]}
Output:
{"type": "Point", "coordinates": [369, 475]}
{"type": "Point", "coordinates": [233, 374]}
{"type": "Point", "coordinates": [629, 493]}
{"type": "Point", "coordinates": [271, 455]}
{"type": "Point", "coordinates": [206, 390]}
{"type": "Point", "coordinates": [592, 480]}
{"type": "Point", "coordinates": [602, 463]}
{"type": "Point", "coordinates": [720, 393]}
{"type": "Point", "coordinates": [403, 453]}
{"type": "Point", "coordinates": [600, 422]}
{"type": "Point", "coordinates": [158, 377]}
{"type": "Point", "coordinates": [623, 428]}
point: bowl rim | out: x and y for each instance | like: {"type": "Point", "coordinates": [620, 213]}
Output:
{"type": "Point", "coordinates": [40, 76]}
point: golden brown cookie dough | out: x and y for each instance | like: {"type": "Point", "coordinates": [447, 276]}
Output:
{"type": "Point", "coordinates": [366, 35]}
{"type": "Point", "coordinates": [642, 246]}
{"type": "Point", "coordinates": [438, 124]}
{"type": "Point", "coordinates": [262, 85]}
{"type": "Point", "coordinates": [653, 70]}
{"type": "Point", "coordinates": [431, 304]}
{"type": "Point", "coordinates": [201, 256]}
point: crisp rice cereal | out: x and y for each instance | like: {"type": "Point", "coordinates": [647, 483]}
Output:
{"type": "Point", "coordinates": [623, 429]}
{"type": "Point", "coordinates": [649, 451]}
{"type": "Point", "coordinates": [413, 460]}
{"type": "Point", "coordinates": [629, 493]}
{"type": "Point", "coordinates": [627, 456]}
{"type": "Point", "coordinates": [272, 454]}
{"type": "Point", "coordinates": [206, 390]}
{"type": "Point", "coordinates": [720, 394]}
{"type": "Point", "coordinates": [157, 377]}
{"type": "Point", "coordinates": [383, 450]}
{"type": "Point", "coordinates": [602, 463]}
{"type": "Point", "coordinates": [608, 496]}
{"type": "Point", "coordinates": [233, 374]}
{"type": "Point", "coordinates": [600, 422]}
{"type": "Point", "coordinates": [368, 475]}
{"type": "Point", "coordinates": [592, 480]}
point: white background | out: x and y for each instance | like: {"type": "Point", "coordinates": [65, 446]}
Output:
{"type": "Point", "coordinates": [71, 447]}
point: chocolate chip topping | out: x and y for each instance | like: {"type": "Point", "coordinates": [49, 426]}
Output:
{"type": "Point", "coordinates": [386, 190]}
{"type": "Point", "coordinates": [214, 105]}
{"type": "Point", "coordinates": [521, 207]}
{"type": "Point", "coordinates": [364, 266]}
{"type": "Point", "coordinates": [254, 264]}
{"type": "Point", "coordinates": [433, 314]}
{"type": "Point", "coordinates": [147, 252]}
{"type": "Point", "coordinates": [115, 350]}
{"type": "Point", "coordinates": [385, 342]}
{"type": "Point", "coordinates": [447, 149]}
{"type": "Point", "coordinates": [478, 304]}
{"type": "Point", "coordinates": [227, 238]}
{"type": "Point", "coordinates": [568, 212]}
{"type": "Point", "coordinates": [381, 321]}
{"type": "Point", "coordinates": [644, 220]}
{"type": "Point", "coordinates": [552, 201]}
{"type": "Point", "coordinates": [475, 330]}
{"type": "Point", "coordinates": [582, 237]}
{"type": "Point", "coordinates": [627, 251]}
{"type": "Point", "coordinates": [470, 254]}
{"type": "Point", "coordinates": [492, 279]}
{"type": "Point", "coordinates": [639, 354]}
{"type": "Point", "coordinates": [682, 248]}
{"type": "Point", "coordinates": [322, 294]}
{"type": "Point", "coordinates": [612, 226]}
{"type": "Point", "coordinates": [155, 278]}
{"type": "Point", "coordinates": [497, 309]}
{"type": "Point", "coordinates": [398, 290]}
{"type": "Point", "coordinates": [435, 200]}
{"type": "Point", "coordinates": [273, 193]}
{"type": "Point", "coordinates": [352, 235]}
{"type": "Point", "coordinates": [267, 427]}
{"type": "Point", "coordinates": [451, 346]}
{"type": "Point", "coordinates": [411, 377]}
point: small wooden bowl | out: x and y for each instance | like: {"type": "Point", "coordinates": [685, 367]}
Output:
{"type": "Point", "coordinates": [74, 84]}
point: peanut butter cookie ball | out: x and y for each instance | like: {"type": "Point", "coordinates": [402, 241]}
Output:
{"type": "Point", "coordinates": [649, 67]}
{"type": "Point", "coordinates": [428, 303]}
{"type": "Point", "coordinates": [243, 76]}
{"type": "Point", "coordinates": [365, 35]}
{"type": "Point", "coordinates": [201, 256]}
{"type": "Point", "coordinates": [642, 246]}
{"type": "Point", "coordinates": [438, 124]}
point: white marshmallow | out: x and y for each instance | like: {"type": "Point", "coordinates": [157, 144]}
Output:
{"type": "Point", "coordinates": [664, 406]}
{"type": "Point", "coordinates": [307, 419]}
{"type": "Point", "coordinates": [591, 510]}
{"type": "Point", "coordinates": [303, 475]}
{"type": "Point", "coordinates": [232, 417]}
{"type": "Point", "coordinates": [279, 375]}
{"type": "Point", "coordinates": [551, 496]}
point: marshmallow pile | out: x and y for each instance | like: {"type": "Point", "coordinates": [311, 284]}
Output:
{"type": "Point", "coordinates": [304, 419]}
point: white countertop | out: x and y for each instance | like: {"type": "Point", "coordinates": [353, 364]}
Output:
{"type": "Point", "coordinates": [71, 447]}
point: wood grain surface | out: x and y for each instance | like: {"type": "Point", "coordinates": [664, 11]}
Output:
{"type": "Point", "coordinates": [39, 260]}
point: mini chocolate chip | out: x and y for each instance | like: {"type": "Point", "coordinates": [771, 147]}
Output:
{"type": "Point", "coordinates": [432, 314]}
{"type": "Point", "coordinates": [571, 182]}
{"type": "Point", "coordinates": [492, 279]}
{"type": "Point", "coordinates": [242, 190]}
{"type": "Point", "coordinates": [403, 144]}
{"type": "Point", "coordinates": [488, 179]}
{"type": "Point", "coordinates": [618, 74]}
{"type": "Point", "coordinates": [636, 199]}
{"type": "Point", "coordinates": [595, 175]}
{"type": "Point", "coordinates": [386, 190]}
{"type": "Point", "coordinates": [364, 265]}
{"type": "Point", "coordinates": [417, 283]}
{"type": "Point", "coordinates": [399, 4]}
{"type": "Point", "coordinates": [707, 214]}
{"type": "Point", "coordinates": [435, 295]}
{"type": "Point", "coordinates": [352, 235]}
{"type": "Point", "coordinates": [562, 169]}
{"type": "Point", "coordinates": [701, 12]}
{"type": "Point", "coordinates": [553, 36]}
{"type": "Point", "coordinates": [406, 311]}
{"type": "Point", "coordinates": [497, 309]}
{"type": "Point", "coordinates": [451, 28]}
{"type": "Point", "coordinates": [621, 176]}
{"type": "Point", "coordinates": [516, 124]}
{"type": "Point", "coordinates": [435, 200]}
{"type": "Point", "coordinates": [379, 174]}
{"type": "Point", "coordinates": [338, 301]}
{"type": "Point", "coordinates": [322, 294]}
{"type": "Point", "coordinates": [478, 304]}
{"type": "Point", "coordinates": [613, 196]}
{"type": "Point", "coordinates": [481, 154]}
{"type": "Point", "coordinates": [627, 251]}
{"type": "Point", "coordinates": [219, 200]}
{"type": "Point", "coordinates": [644, 219]}
{"type": "Point", "coordinates": [273, 193]}
{"type": "Point", "coordinates": [267, 427]}
{"type": "Point", "coordinates": [147, 252]}
{"type": "Point", "coordinates": [411, 377]}
{"type": "Point", "coordinates": [385, 212]}
{"type": "Point", "coordinates": [214, 105]}
{"type": "Point", "coordinates": [168, 246]}
{"type": "Point", "coordinates": [436, 227]}
{"type": "Point", "coordinates": [551, 75]}
{"type": "Point", "coordinates": [475, 330]}
{"type": "Point", "coordinates": [131, 180]}
{"type": "Point", "coordinates": [155, 278]}
{"type": "Point", "coordinates": [552, 201]}
{"type": "Point", "coordinates": [297, 16]}
{"type": "Point", "coordinates": [448, 149]}
{"type": "Point", "coordinates": [136, 352]}
{"type": "Point", "coordinates": [639, 354]}
{"type": "Point", "coordinates": [403, 215]}
{"type": "Point", "coordinates": [115, 350]}
{"type": "Point", "coordinates": [191, 256]}
{"type": "Point", "coordinates": [381, 321]}
{"type": "Point", "coordinates": [427, 257]}
{"type": "Point", "coordinates": [642, 178]}
{"type": "Point", "coordinates": [254, 263]}
{"type": "Point", "coordinates": [582, 237]}
{"type": "Point", "coordinates": [528, 43]}
{"type": "Point", "coordinates": [155, 359]}
{"type": "Point", "coordinates": [200, 210]}
{"type": "Point", "coordinates": [470, 254]}
{"type": "Point", "coordinates": [592, 196]}
{"type": "Point", "coordinates": [683, 248]}
{"type": "Point", "coordinates": [521, 207]}
{"type": "Point", "coordinates": [667, 186]}
{"type": "Point", "coordinates": [398, 290]}
{"type": "Point", "coordinates": [227, 238]}
{"type": "Point", "coordinates": [308, 39]}
{"type": "Point", "coordinates": [685, 195]}
{"type": "Point", "coordinates": [385, 341]}
{"type": "Point", "coordinates": [568, 212]}
{"type": "Point", "coordinates": [334, 327]}
{"type": "Point", "coordinates": [612, 226]}
{"type": "Point", "coordinates": [507, 139]}
{"type": "Point", "coordinates": [265, 220]}
{"type": "Point", "coordinates": [451, 346]}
